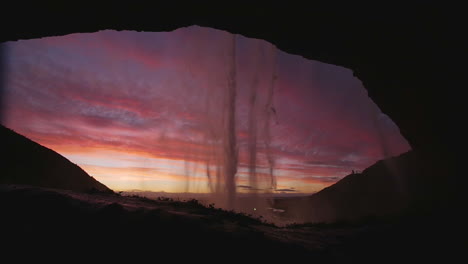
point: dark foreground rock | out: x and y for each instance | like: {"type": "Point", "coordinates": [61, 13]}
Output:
{"type": "Point", "coordinates": [24, 161]}
{"type": "Point", "coordinates": [49, 223]}
{"type": "Point", "coordinates": [390, 187]}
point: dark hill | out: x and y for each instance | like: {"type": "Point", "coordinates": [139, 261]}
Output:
{"type": "Point", "coordinates": [389, 187]}
{"type": "Point", "coordinates": [24, 161]}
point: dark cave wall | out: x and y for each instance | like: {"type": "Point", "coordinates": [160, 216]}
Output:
{"type": "Point", "coordinates": [406, 56]}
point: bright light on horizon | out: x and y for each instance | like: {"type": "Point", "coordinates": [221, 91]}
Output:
{"type": "Point", "coordinates": [132, 109]}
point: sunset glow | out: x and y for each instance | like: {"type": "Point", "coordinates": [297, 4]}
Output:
{"type": "Point", "coordinates": [128, 107]}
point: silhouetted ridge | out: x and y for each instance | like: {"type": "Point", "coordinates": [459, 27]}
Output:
{"type": "Point", "coordinates": [27, 162]}
{"type": "Point", "coordinates": [389, 187]}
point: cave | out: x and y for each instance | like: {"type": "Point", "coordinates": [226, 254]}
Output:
{"type": "Point", "coordinates": [407, 64]}
{"type": "Point", "coordinates": [408, 58]}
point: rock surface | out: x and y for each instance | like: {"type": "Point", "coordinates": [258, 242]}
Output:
{"type": "Point", "coordinates": [24, 161]}
{"type": "Point", "coordinates": [44, 223]}
{"type": "Point", "coordinates": [389, 188]}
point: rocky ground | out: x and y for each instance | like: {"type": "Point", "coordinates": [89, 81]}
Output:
{"type": "Point", "coordinates": [89, 225]}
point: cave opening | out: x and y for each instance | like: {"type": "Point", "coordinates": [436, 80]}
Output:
{"type": "Point", "coordinates": [409, 58]}
{"type": "Point", "coordinates": [195, 113]}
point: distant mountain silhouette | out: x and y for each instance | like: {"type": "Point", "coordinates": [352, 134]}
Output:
{"type": "Point", "coordinates": [389, 187]}
{"type": "Point", "coordinates": [24, 161]}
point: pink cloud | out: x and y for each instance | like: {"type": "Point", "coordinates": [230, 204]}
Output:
{"type": "Point", "coordinates": [156, 94]}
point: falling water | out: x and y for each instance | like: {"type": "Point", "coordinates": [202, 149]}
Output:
{"type": "Point", "coordinates": [230, 143]}
{"type": "Point", "coordinates": [221, 128]}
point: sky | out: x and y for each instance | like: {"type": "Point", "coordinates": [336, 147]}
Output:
{"type": "Point", "coordinates": [134, 109]}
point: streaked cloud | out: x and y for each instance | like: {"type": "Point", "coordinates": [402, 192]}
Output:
{"type": "Point", "coordinates": [130, 107]}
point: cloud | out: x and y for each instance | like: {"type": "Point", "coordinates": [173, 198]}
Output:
{"type": "Point", "coordinates": [285, 190]}
{"type": "Point", "coordinates": [247, 187]}
{"type": "Point", "coordinates": [155, 95]}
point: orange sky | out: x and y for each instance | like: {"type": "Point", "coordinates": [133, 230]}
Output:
{"type": "Point", "coordinates": [130, 108]}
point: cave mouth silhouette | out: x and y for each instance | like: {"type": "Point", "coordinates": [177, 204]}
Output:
{"type": "Point", "coordinates": [402, 63]}
{"type": "Point", "coordinates": [403, 54]}
{"type": "Point", "coordinates": [306, 121]}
